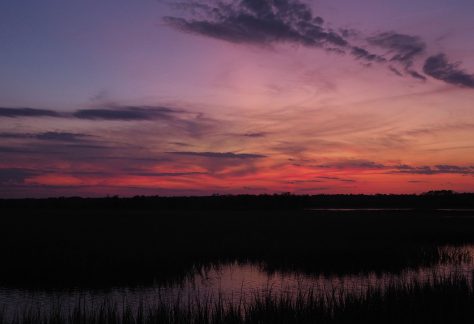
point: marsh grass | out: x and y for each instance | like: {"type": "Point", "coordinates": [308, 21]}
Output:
{"type": "Point", "coordinates": [441, 300]}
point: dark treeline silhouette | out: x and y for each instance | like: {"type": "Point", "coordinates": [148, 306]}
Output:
{"type": "Point", "coordinates": [429, 200]}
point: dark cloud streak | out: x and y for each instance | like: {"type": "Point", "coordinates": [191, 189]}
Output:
{"type": "Point", "coordinates": [403, 48]}
{"type": "Point", "coordinates": [437, 169]}
{"type": "Point", "coordinates": [362, 53]}
{"type": "Point", "coordinates": [27, 112]}
{"type": "Point", "coordinates": [48, 136]}
{"type": "Point", "coordinates": [438, 67]}
{"type": "Point", "coordinates": [126, 113]}
{"type": "Point", "coordinates": [353, 164]}
{"type": "Point", "coordinates": [13, 176]}
{"type": "Point", "coordinates": [254, 134]}
{"type": "Point", "coordinates": [263, 22]}
{"type": "Point", "coordinates": [192, 123]}
{"type": "Point", "coordinates": [61, 136]}
{"type": "Point", "coordinates": [398, 169]}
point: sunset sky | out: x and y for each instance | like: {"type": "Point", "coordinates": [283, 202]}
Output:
{"type": "Point", "coordinates": [150, 97]}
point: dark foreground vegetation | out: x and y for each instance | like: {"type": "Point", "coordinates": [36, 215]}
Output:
{"type": "Point", "coordinates": [444, 300]}
{"type": "Point", "coordinates": [142, 240]}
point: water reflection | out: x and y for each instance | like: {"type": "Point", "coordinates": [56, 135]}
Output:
{"type": "Point", "coordinates": [232, 282]}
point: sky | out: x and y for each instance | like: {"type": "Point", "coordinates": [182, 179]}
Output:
{"type": "Point", "coordinates": [155, 97]}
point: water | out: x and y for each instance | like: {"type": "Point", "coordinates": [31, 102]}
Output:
{"type": "Point", "coordinates": [232, 282]}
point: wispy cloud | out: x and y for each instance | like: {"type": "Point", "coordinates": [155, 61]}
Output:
{"type": "Point", "coordinates": [221, 155]}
